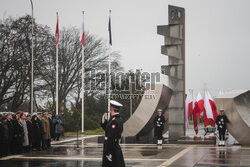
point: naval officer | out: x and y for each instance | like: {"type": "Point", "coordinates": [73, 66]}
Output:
{"type": "Point", "coordinates": [221, 121]}
{"type": "Point", "coordinates": [159, 122]}
{"type": "Point", "coordinates": [112, 153]}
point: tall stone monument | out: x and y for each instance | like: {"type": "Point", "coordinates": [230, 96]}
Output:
{"type": "Point", "coordinates": [174, 48]}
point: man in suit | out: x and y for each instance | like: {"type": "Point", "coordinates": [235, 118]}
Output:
{"type": "Point", "coordinates": [39, 120]}
{"type": "Point", "coordinates": [11, 142]}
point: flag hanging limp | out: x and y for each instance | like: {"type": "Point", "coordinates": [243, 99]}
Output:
{"type": "Point", "coordinates": [198, 106]}
{"type": "Point", "coordinates": [210, 111]}
{"type": "Point", "coordinates": [82, 33]}
{"type": "Point", "coordinates": [110, 35]}
{"type": "Point", "coordinates": [189, 106]}
{"type": "Point", "coordinates": [57, 30]}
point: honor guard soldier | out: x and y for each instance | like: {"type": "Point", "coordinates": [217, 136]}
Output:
{"type": "Point", "coordinates": [159, 122]}
{"type": "Point", "coordinates": [112, 153]}
{"type": "Point", "coordinates": [221, 121]}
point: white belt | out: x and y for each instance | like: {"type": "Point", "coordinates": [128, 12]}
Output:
{"type": "Point", "coordinates": [106, 138]}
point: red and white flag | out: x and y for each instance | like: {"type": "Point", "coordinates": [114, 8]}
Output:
{"type": "Point", "coordinates": [57, 30]}
{"type": "Point", "coordinates": [188, 106]}
{"type": "Point", "coordinates": [198, 106]}
{"type": "Point", "coordinates": [195, 123]}
{"type": "Point", "coordinates": [82, 33]}
{"type": "Point", "coordinates": [210, 110]}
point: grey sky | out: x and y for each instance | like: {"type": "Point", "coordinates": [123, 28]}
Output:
{"type": "Point", "coordinates": [217, 34]}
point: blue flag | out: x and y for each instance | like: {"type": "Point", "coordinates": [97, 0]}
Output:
{"type": "Point", "coordinates": [110, 35]}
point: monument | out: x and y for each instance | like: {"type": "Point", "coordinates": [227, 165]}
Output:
{"type": "Point", "coordinates": [237, 108]}
{"type": "Point", "coordinates": [139, 127]}
{"type": "Point", "coordinates": [174, 48]}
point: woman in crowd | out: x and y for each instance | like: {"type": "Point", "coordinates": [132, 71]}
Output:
{"type": "Point", "coordinates": [58, 127]}
{"type": "Point", "coordinates": [36, 133]}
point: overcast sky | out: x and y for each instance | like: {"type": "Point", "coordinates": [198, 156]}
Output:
{"type": "Point", "coordinates": [217, 34]}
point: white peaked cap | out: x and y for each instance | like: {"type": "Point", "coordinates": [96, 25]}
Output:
{"type": "Point", "coordinates": [115, 103]}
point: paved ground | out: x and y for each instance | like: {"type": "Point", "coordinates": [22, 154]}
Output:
{"type": "Point", "coordinates": [136, 155]}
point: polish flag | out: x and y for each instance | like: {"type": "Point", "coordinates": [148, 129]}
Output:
{"type": "Point", "coordinates": [210, 112]}
{"type": "Point", "coordinates": [57, 30]}
{"type": "Point", "coordinates": [188, 106]}
{"type": "Point", "coordinates": [198, 108]}
{"type": "Point", "coordinates": [199, 105]}
{"type": "Point", "coordinates": [195, 123]}
{"type": "Point", "coordinates": [82, 33]}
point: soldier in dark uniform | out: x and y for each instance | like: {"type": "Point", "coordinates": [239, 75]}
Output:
{"type": "Point", "coordinates": [112, 153]}
{"type": "Point", "coordinates": [159, 122]}
{"type": "Point", "coordinates": [221, 121]}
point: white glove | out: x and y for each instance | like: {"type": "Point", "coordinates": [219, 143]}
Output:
{"type": "Point", "coordinates": [104, 117]}
{"type": "Point", "coordinates": [109, 157]}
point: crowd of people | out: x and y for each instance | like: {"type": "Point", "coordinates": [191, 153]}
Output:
{"type": "Point", "coordinates": [20, 132]}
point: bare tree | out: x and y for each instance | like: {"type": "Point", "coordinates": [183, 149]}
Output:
{"type": "Point", "coordinates": [70, 64]}
{"type": "Point", "coordinates": [15, 52]}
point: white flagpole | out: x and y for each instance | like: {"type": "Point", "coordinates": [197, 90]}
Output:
{"type": "Point", "coordinates": [109, 71]}
{"type": "Point", "coordinates": [57, 74]}
{"type": "Point", "coordinates": [131, 100]}
{"type": "Point", "coordinates": [32, 63]}
{"type": "Point", "coordinates": [83, 81]}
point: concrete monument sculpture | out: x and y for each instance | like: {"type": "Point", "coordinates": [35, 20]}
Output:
{"type": "Point", "coordinates": [174, 48]}
{"type": "Point", "coordinates": [141, 122]}
{"type": "Point", "coordinates": [236, 105]}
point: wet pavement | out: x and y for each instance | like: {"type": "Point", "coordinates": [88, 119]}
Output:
{"type": "Point", "coordinates": [89, 154]}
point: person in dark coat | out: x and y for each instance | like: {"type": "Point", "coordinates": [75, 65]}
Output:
{"type": "Point", "coordinates": [30, 130]}
{"type": "Point", "coordinates": [112, 153]}
{"type": "Point", "coordinates": [159, 122]}
{"type": "Point", "coordinates": [52, 129]}
{"type": "Point", "coordinates": [19, 136]}
{"type": "Point", "coordinates": [58, 127]}
{"type": "Point", "coordinates": [46, 131]}
{"type": "Point", "coordinates": [221, 122]}
{"type": "Point", "coordinates": [4, 136]}
{"type": "Point", "coordinates": [61, 116]}
{"type": "Point", "coordinates": [36, 140]}
{"type": "Point", "coordinates": [39, 120]}
{"type": "Point", "coordinates": [11, 142]}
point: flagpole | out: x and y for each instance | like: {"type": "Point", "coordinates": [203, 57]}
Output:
{"type": "Point", "coordinates": [131, 100]}
{"type": "Point", "coordinates": [57, 73]}
{"type": "Point", "coordinates": [109, 70]}
{"type": "Point", "coordinates": [83, 83]}
{"type": "Point", "coordinates": [32, 62]}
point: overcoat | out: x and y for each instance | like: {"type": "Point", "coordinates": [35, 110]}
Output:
{"type": "Point", "coordinates": [112, 153]}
